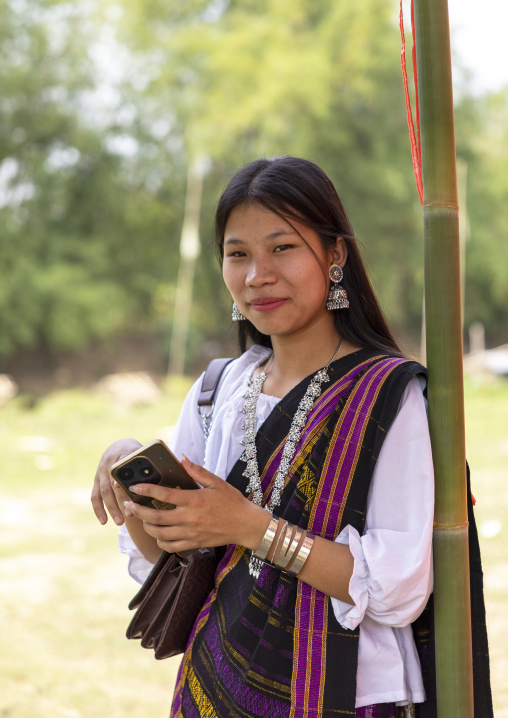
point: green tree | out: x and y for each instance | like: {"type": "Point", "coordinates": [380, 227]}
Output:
{"type": "Point", "coordinates": [82, 234]}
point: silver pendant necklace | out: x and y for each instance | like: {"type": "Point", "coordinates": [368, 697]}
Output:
{"type": "Point", "coordinates": [249, 454]}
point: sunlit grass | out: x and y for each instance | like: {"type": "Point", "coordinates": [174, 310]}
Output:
{"type": "Point", "coordinates": [65, 589]}
{"type": "Point", "coordinates": [487, 443]}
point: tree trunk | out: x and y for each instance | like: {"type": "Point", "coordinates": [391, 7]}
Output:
{"type": "Point", "coordinates": [189, 251]}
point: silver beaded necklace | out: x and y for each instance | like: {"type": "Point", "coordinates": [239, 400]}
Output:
{"type": "Point", "coordinates": [249, 454]}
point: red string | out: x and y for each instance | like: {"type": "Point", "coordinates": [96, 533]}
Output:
{"type": "Point", "coordinates": [417, 102]}
{"type": "Point", "coordinates": [414, 137]}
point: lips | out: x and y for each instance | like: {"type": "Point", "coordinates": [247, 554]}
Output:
{"type": "Point", "coordinates": [264, 304]}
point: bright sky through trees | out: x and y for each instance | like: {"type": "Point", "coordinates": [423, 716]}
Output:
{"type": "Point", "coordinates": [479, 38]}
{"type": "Point", "coordinates": [478, 42]}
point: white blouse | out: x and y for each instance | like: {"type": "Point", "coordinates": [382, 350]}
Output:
{"type": "Point", "coordinates": [392, 575]}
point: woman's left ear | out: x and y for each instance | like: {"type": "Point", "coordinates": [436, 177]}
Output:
{"type": "Point", "coordinates": [339, 252]}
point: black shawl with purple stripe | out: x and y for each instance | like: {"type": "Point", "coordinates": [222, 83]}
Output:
{"type": "Point", "coordinates": [273, 647]}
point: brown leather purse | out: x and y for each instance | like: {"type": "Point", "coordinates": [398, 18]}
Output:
{"type": "Point", "coordinates": [169, 601]}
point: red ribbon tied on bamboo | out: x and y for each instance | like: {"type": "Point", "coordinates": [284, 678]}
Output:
{"type": "Point", "coordinates": [416, 151]}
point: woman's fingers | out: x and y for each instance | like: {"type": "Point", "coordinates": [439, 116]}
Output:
{"type": "Point", "coordinates": [121, 495]}
{"type": "Point", "coordinates": [159, 517]}
{"type": "Point", "coordinates": [176, 546]}
{"type": "Point", "coordinates": [168, 533]}
{"type": "Point", "coordinates": [97, 503]}
{"type": "Point", "coordinates": [201, 476]}
{"type": "Point", "coordinates": [177, 497]}
{"type": "Point", "coordinates": [165, 526]}
{"type": "Point", "coordinates": [103, 497]}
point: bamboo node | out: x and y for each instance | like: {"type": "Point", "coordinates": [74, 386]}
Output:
{"type": "Point", "coordinates": [442, 527]}
{"type": "Point", "coordinates": [441, 204]}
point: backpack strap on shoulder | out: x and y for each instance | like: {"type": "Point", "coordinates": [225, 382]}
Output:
{"type": "Point", "coordinates": [209, 386]}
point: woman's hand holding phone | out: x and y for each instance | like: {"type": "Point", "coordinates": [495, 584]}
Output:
{"type": "Point", "coordinates": [217, 515]}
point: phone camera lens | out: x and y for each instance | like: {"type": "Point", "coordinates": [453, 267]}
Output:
{"type": "Point", "coordinates": [125, 474]}
{"type": "Point", "coordinates": [147, 471]}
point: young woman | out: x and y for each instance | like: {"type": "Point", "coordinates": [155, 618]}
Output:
{"type": "Point", "coordinates": [316, 476]}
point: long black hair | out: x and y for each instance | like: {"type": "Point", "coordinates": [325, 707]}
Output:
{"type": "Point", "coordinates": [298, 189]}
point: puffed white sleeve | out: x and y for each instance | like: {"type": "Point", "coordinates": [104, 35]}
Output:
{"type": "Point", "coordinates": [392, 575]}
{"type": "Point", "coordinates": [138, 566]}
{"type": "Point", "coordinates": [187, 438]}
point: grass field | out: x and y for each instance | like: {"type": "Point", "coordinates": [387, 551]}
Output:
{"type": "Point", "coordinates": [65, 589]}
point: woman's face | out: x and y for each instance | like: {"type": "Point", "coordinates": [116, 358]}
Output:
{"type": "Point", "coordinates": [278, 280]}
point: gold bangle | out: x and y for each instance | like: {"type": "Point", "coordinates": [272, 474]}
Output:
{"type": "Point", "coordinates": [303, 555]}
{"type": "Point", "coordinates": [295, 548]}
{"type": "Point", "coordinates": [279, 539]}
{"type": "Point", "coordinates": [286, 559]}
{"type": "Point", "coordinates": [288, 532]}
{"type": "Point", "coordinates": [267, 540]}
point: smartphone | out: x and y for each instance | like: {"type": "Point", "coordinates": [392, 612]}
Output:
{"type": "Point", "coordinates": [152, 464]}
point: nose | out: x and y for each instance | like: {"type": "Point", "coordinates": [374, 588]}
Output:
{"type": "Point", "coordinates": [260, 272]}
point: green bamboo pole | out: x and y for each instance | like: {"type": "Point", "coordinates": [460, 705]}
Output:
{"type": "Point", "coordinates": [444, 360]}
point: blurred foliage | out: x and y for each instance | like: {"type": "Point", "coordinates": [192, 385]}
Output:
{"type": "Point", "coordinates": [487, 206]}
{"type": "Point", "coordinates": [84, 242]}
{"type": "Point", "coordinates": [102, 105]}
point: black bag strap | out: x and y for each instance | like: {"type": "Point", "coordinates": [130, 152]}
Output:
{"type": "Point", "coordinates": [211, 380]}
{"type": "Point", "coordinates": [209, 386]}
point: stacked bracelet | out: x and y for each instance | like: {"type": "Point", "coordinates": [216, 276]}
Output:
{"type": "Point", "coordinates": [282, 535]}
{"type": "Point", "coordinates": [287, 530]}
{"type": "Point", "coordinates": [296, 546]}
{"type": "Point", "coordinates": [302, 556]}
{"type": "Point", "coordinates": [285, 557]}
{"type": "Point", "coordinates": [266, 542]}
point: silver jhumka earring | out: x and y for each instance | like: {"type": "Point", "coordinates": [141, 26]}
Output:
{"type": "Point", "coordinates": [236, 315]}
{"type": "Point", "coordinates": [337, 296]}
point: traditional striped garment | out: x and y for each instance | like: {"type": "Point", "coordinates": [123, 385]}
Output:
{"type": "Point", "coordinates": [272, 647]}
